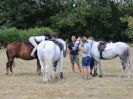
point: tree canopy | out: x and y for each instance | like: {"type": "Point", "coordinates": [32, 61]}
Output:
{"type": "Point", "coordinates": [99, 18]}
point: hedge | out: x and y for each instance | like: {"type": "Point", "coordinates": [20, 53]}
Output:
{"type": "Point", "coordinates": [13, 34]}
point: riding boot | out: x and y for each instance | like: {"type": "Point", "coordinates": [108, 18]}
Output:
{"type": "Point", "coordinates": [33, 52]}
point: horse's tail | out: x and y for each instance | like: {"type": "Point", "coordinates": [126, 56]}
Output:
{"type": "Point", "coordinates": [128, 56]}
{"type": "Point", "coordinates": [128, 62]}
{"type": "Point", "coordinates": [7, 55]}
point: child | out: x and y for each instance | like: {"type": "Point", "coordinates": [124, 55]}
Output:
{"type": "Point", "coordinates": [86, 58]}
{"type": "Point", "coordinates": [37, 39]}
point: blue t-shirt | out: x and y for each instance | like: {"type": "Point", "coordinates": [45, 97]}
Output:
{"type": "Point", "coordinates": [88, 47]}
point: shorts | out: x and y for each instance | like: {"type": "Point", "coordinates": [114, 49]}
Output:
{"type": "Point", "coordinates": [86, 61]}
{"type": "Point", "coordinates": [74, 58]}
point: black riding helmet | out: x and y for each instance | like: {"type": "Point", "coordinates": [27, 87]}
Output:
{"type": "Point", "coordinates": [47, 35]}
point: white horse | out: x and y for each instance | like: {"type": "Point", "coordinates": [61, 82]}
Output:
{"type": "Point", "coordinates": [111, 51]}
{"type": "Point", "coordinates": [48, 53]}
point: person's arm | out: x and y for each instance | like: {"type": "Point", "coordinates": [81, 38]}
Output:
{"type": "Point", "coordinates": [83, 49]}
{"type": "Point", "coordinates": [69, 46]}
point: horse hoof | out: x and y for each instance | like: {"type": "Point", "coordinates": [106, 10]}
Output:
{"type": "Point", "coordinates": [124, 67]}
{"type": "Point", "coordinates": [40, 74]}
{"type": "Point", "coordinates": [121, 76]}
{"type": "Point", "coordinates": [100, 76]}
{"type": "Point", "coordinates": [7, 73]}
{"type": "Point", "coordinates": [94, 75]}
{"type": "Point", "coordinates": [45, 82]}
{"type": "Point", "coordinates": [61, 75]}
{"type": "Point", "coordinates": [11, 74]}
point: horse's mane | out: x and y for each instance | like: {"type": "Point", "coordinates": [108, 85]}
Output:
{"type": "Point", "coordinates": [26, 43]}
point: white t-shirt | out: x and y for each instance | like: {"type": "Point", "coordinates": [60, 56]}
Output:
{"type": "Point", "coordinates": [39, 38]}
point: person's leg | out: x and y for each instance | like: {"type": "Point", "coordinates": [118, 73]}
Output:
{"type": "Point", "coordinates": [78, 63]}
{"type": "Point", "coordinates": [84, 72]}
{"type": "Point", "coordinates": [33, 42]}
{"type": "Point", "coordinates": [84, 68]}
{"type": "Point", "coordinates": [88, 71]}
{"type": "Point", "coordinates": [72, 62]}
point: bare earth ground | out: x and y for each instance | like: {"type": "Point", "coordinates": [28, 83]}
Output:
{"type": "Point", "coordinates": [26, 84]}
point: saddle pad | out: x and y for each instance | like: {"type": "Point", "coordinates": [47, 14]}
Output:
{"type": "Point", "coordinates": [58, 44]}
{"type": "Point", "coordinates": [109, 46]}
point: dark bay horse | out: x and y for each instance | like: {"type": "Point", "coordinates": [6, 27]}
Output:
{"type": "Point", "coordinates": [19, 50]}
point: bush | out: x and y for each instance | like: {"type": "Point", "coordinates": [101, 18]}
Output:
{"type": "Point", "coordinates": [13, 34]}
{"type": "Point", "coordinates": [129, 34]}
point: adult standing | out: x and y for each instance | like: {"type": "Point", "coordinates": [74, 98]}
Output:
{"type": "Point", "coordinates": [74, 56]}
{"type": "Point", "coordinates": [86, 57]}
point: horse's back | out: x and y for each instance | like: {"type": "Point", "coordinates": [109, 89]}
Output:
{"type": "Point", "coordinates": [47, 46]}
{"type": "Point", "coordinates": [13, 45]}
{"type": "Point", "coordinates": [19, 50]}
{"type": "Point", "coordinates": [48, 49]}
{"type": "Point", "coordinates": [121, 45]}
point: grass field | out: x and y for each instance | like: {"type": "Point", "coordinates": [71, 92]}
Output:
{"type": "Point", "coordinates": [26, 84]}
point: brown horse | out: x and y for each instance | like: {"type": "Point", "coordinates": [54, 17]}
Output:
{"type": "Point", "coordinates": [19, 50]}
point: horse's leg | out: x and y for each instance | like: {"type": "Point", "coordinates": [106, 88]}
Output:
{"type": "Point", "coordinates": [60, 64]}
{"type": "Point", "coordinates": [55, 65]}
{"type": "Point", "coordinates": [52, 70]}
{"type": "Point", "coordinates": [48, 70]}
{"type": "Point", "coordinates": [95, 68]}
{"type": "Point", "coordinates": [41, 62]}
{"type": "Point", "coordinates": [42, 69]}
{"type": "Point", "coordinates": [38, 67]}
{"type": "Point", "coordinates": [100, 69]}
{"type": "Point", "coordinates": [129, 69]}
{"type": "Point", "coordinates": [128, 63]}
{"type": "Point", "coordinates": [46, 75]}
{"type": "Point", "coordinates": [123, 66]}
{"type": "Point", "coordinates": [9, 65]}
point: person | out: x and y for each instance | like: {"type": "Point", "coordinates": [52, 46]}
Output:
{"type": "Point", "coordinates": [34, 40]}
{"type": "Point", "coordinates": [54, 35]}
{"type": "Point", "coordinates": [86, 57]}
{"type": "Point", "coordinates": [74, 56]}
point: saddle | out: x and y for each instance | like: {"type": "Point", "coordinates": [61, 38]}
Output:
{"type": "Point", "coordinates": [101, 47]}
{"type": "Point", "coordinates": [58, 44]}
